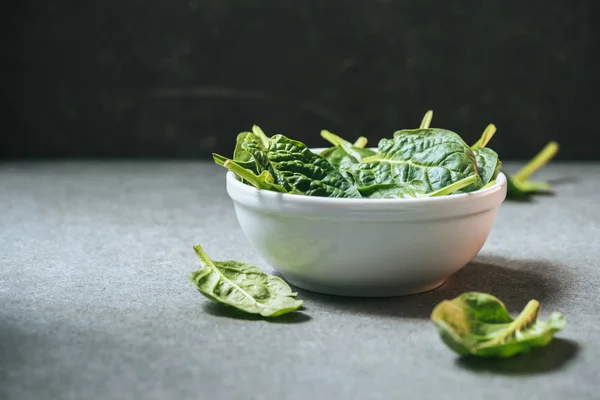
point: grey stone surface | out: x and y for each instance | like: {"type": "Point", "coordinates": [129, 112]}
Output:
{"type": "Point", "coordinates": [95, 301]}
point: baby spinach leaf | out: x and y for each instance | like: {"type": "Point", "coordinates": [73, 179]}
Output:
{"type": "Point", "coordinates": [243, 286]}
{"type": "Point", "coordinates": [478, 324]}
{"type": "Point", "coordinates": [264, 139]}
{"type": "Point", "coordinates": [412, 189]}
{"type": "Point", "coordinates": [435, 157]}
{"type": "Point", "coordinates": [519, 186]}
{"type": "Point", "coordinates": [239, 154]}
{"type": "Point", "coordinates": [297, 169]}
{"type": "Point", "coordinates": [263, 181]}
{"type": "Point", "coordinates": [488, 163]}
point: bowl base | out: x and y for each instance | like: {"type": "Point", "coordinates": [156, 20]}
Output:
{"type": "Point", "coordinates": [384, 291]}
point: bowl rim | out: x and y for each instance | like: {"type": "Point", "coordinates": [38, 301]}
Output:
{"type": "Point", "coordinates": [290, 198]}
{"type": "Point", "coordinates": [303, 199]}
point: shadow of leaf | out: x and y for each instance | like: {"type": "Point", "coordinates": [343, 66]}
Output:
{"type": "Point", "coordinates": [515, 282]}
{"type": "Point", "coordinates": [221, 310]}
{"type": "Point", "coordinates": [552, 357]}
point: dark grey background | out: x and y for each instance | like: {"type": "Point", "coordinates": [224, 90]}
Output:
{"type": "Point", "coordinates": [125, 78]}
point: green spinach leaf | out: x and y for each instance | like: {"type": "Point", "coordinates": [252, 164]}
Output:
{"type": "Point", "coordinates": [416, 189]}
{"type": "Point", "coordinates": [478, 324]}
{"type": "Point", "coordinates": [245, 172]}
{"type": "Point", "coordinates": [434, 157]}
{"type": "Point", "coordinates": [239, 154]}
{"type": "Point", "coordinates": [297, 169]}
{"type": "Point", "coordinates": [520, 187]}
{"type": "Point", "coordinates": [488, 163]}
{"type": "Point", "coordinates": [243, 286]}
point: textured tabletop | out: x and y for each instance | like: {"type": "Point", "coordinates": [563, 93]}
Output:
{"type": "Point", "coordinates": [95, 301]}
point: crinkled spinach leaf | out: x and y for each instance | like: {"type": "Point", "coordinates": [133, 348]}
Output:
{"type": "Point", "coordinates": [240, 155]}
{"type": "Point", "coordinates": [478, 324]}
{"type": "Point", "coordinates": [243, 286]}
{"type": "Point", "coordinates": [434, 157]}
{"type": "Point", "coordinates": [297, 169]}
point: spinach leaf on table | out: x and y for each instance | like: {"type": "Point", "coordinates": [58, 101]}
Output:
{"type": "Point", "coordinates": [436, 158]}
{"type": "Point", "coordinates": [478, 324]}
{"type": "Point", "coordinates": [243, 286]}
{"type": "Point", "coordinates": [520, 187]}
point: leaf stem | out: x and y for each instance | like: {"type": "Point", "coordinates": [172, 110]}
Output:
{"type": "Point", "coordinates": [455, 186]}
{"type": "Point", "coordinates": [527, 316]}
{"type": "Point", "coordinates": [342, 143]}
{"type": "Point", "coordinates": [486, 136]}
{"type": "Point", "coordinates": [206, 261]}
{"type": "Point", "coordinates": [426, 120]}
{"type": "Point", "coordinates": [361, 142]}
{"type": "Point", "coordinates": [541, 159]}
{"type": "Point", "coordinates": [263, 181]}
{"type": "Point", "coordinates": [489, 184]}
{"type": "Point", "coordinates": [333, 138]}
{"type": "Point", "coordinates": [219, 159]}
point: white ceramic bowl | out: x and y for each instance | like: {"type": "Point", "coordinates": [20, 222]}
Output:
{"type": "Point", "coordinates": [366, 247]}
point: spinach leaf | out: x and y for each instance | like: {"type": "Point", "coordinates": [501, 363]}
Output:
{"type": "Point", "coordinates": [488, 163]}
{"type": "Point", "coordinates": [393, 191]}
{"type": "Point", "coordinates": [297, 169]}
{"type": "Point", "coordinates": [243, 286]}
{"type": "Point", "coordinates": [412, 189]}
{"type": "Point", "coordinates": [435, 157]}
{"type": "Point", "coordinates": [479, 324]}
{"type": "Point", "coordinates": [519, 186]}
{"type": "Point", "coordinates": [239, 154]}
{"type": "Point", "coordinates": [245, 172]}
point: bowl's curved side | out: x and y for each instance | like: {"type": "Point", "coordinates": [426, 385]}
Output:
{"type": "Point", "coordinates": [365, 258]}
{"type": "Point", "coordinates": [366, 247]}
{"type": "Point", "coordinates": [336, 209]}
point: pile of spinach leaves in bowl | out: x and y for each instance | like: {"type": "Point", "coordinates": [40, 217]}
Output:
{"type": "Point", "coordinates": [413, 163]}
